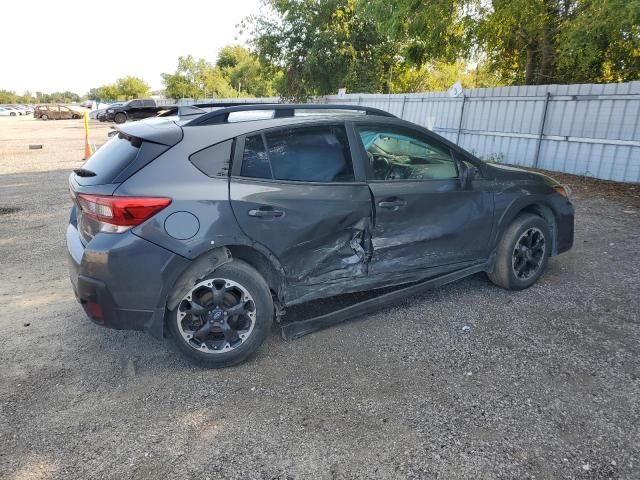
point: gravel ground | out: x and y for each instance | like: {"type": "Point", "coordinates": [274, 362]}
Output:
{"type": "Point", "coordinates": [544, 384]}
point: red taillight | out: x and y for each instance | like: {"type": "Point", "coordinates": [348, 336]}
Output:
{"type": "Point", "coordinates": [124, 212]}
{"type": "Point", "coordinates": [93, 309]}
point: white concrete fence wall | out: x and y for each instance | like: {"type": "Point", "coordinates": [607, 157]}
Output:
{"type": "Point", "coordinates": [583, 129]}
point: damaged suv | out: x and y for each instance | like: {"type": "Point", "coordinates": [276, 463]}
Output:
{"type": "Point", "coordinates": [205, 230]}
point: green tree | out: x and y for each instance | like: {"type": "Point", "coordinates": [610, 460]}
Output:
{"type": "Point", "coordinates": [601, 43]}
{"type": "Point", "coordinates": [131, 87]}
{"type": "Point", "coordinates": [519, 37]}
{"type": "Point", "coordinates": [318, 46]}
{"type": "Point", "coordinates": [438, 76]}
{"type": "Point", "coordinates": [126, 88]}
{"type": "Point", "coordinates": [426, 31]}
{"type": "Point", "coordinates": [7, 96]}
{"type": "Point", "coordinates": [521, 41]}
{"type": "Point", "coordinates": [243, 71]}
{"type": "Point", "coordinates": [196, 79]}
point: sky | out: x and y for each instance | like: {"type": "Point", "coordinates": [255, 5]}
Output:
{"type": "Point", "coordinates": [75, 45]}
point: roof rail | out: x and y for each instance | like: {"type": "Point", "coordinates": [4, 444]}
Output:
{"type": "Point", "coordinates": [190, 109]}
{"type": "Point", "coordinates": [281, 111]}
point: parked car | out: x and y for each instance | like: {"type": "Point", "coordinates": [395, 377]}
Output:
{"type": "Point", "coordinates": [17, 108]}
{"type": "Point", "coordinates": [101, 114]}
{"type": "Point", "coordinates": [56, 112]}
{"type": "Point", "coordinates": [23, 109]}
{"type": "Point", "coordinates": [13, 109]}
{"type": "Point", "coordinates": [207, 229]}
{"type": "Point", "coordinates": [8, 112]}
{"type": "Point", "coordinates": [132, 110]}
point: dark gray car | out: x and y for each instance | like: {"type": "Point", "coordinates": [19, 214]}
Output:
{"type": "Point", "coordinates": [207, 230]}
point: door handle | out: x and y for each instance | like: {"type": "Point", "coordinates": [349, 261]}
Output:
{"type": "Point", "coordinates": [265, 212]}
{"type": "Point", "coordinates": [392, 204]}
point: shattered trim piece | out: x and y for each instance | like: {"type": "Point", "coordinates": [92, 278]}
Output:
{"type": "Point", "coordinates": [293, 330]}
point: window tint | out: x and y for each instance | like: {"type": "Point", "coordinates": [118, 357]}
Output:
{"type": "Point", "coordinates": [255, 162]}
{"type": "Point", "coordinates": [399, 154]}
{"type": "Point", "coordinates": [110, 159]}
{"type": "Point", "coordinates": [307, 154]}
{"type": "Point", "coordinates": [214, 161]}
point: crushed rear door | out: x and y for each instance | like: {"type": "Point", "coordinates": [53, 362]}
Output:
{"type": "Point", "coordinates": [296, 195]}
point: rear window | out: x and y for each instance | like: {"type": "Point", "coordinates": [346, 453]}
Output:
{"type": "Point", "coordinates": [110, 159]}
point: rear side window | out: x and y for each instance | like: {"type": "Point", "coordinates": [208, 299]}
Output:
{"type": "Point", "coordinates": [110, 159]}
{"type": "Point", "coordinates": [308, 154]}
{"type": "Point", "coordinates": [214, 161]}
{"type": "Point", "coordinates": [255, 161]}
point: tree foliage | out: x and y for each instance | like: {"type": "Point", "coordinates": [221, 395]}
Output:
{"type": "Point", "coordinates": [601, 43]}
{"type": "Point", "coordinates": [236, 73]}
{"type": "Point", "coordinates": [315, 47]}
{"type": "Point", "coordinates": [243, 71]}
{"type": "Point", "coordinates": [126, 88]}
{"type": "Point", "coordinates": [318, 46]}
{"type": "Point", "coordinates": [196, 78]}
{"type": "Point", "coordinates": [523, 41]}
{"type": "Point", "coordinates": [8, 96]}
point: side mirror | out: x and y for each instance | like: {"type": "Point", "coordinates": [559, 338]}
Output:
{"type": "Point", "coordinates": [467, 173]}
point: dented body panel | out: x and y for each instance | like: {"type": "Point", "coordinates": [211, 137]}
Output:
{"type": "Point", "coordinates": [320, 232]}
{"type": "Point", "coordinates": [438, 223]}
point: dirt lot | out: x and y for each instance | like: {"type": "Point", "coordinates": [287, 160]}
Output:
{"type": "Point", "coordinates": [544, 385]}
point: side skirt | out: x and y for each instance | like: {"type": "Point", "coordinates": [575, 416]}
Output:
{"type": "Point", "coordinates": [293, 330]}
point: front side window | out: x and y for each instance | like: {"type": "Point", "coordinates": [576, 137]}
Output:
{"type": "Point", "coordinates": [307, 154]}
{"type": "Point", "coordinates": [399, 154]}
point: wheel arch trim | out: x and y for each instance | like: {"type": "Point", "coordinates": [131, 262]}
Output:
{"type": "Point", "coordinates": [536, 205]}
{"type": "Point", "coordinates": [252, 253]}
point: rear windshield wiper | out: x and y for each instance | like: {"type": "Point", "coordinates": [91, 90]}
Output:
{"type": "Point", "coordinates": [83, 172]}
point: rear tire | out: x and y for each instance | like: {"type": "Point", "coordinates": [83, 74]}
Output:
{"type": "Point", "coordinates": [120, 118]}
{"type": "Point", "coordinates": [240, 283]}
{"type": "Point", "coordinates": [522, 254]}
{"type": "Point", "coordinates": [12, 114]}
{"type": "Point", "coordinates": [44, 117]}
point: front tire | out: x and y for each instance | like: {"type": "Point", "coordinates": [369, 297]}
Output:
{"type": "Point", "coordinates": [522, 254]}
{"type": "Point", "coordinates": [224, 318]}
{"type": "Point", "coordinates": [120, 118]}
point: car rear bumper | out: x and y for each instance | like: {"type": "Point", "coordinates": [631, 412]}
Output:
{"type": "Point", "coordinates": [121, 280]}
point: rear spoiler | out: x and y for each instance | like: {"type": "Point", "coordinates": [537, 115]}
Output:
{"type": "Point", "coordinates": [164, 132]}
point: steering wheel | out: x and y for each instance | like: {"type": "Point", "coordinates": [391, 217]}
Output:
{"type": "Point", "coordinates": [379, 165]}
